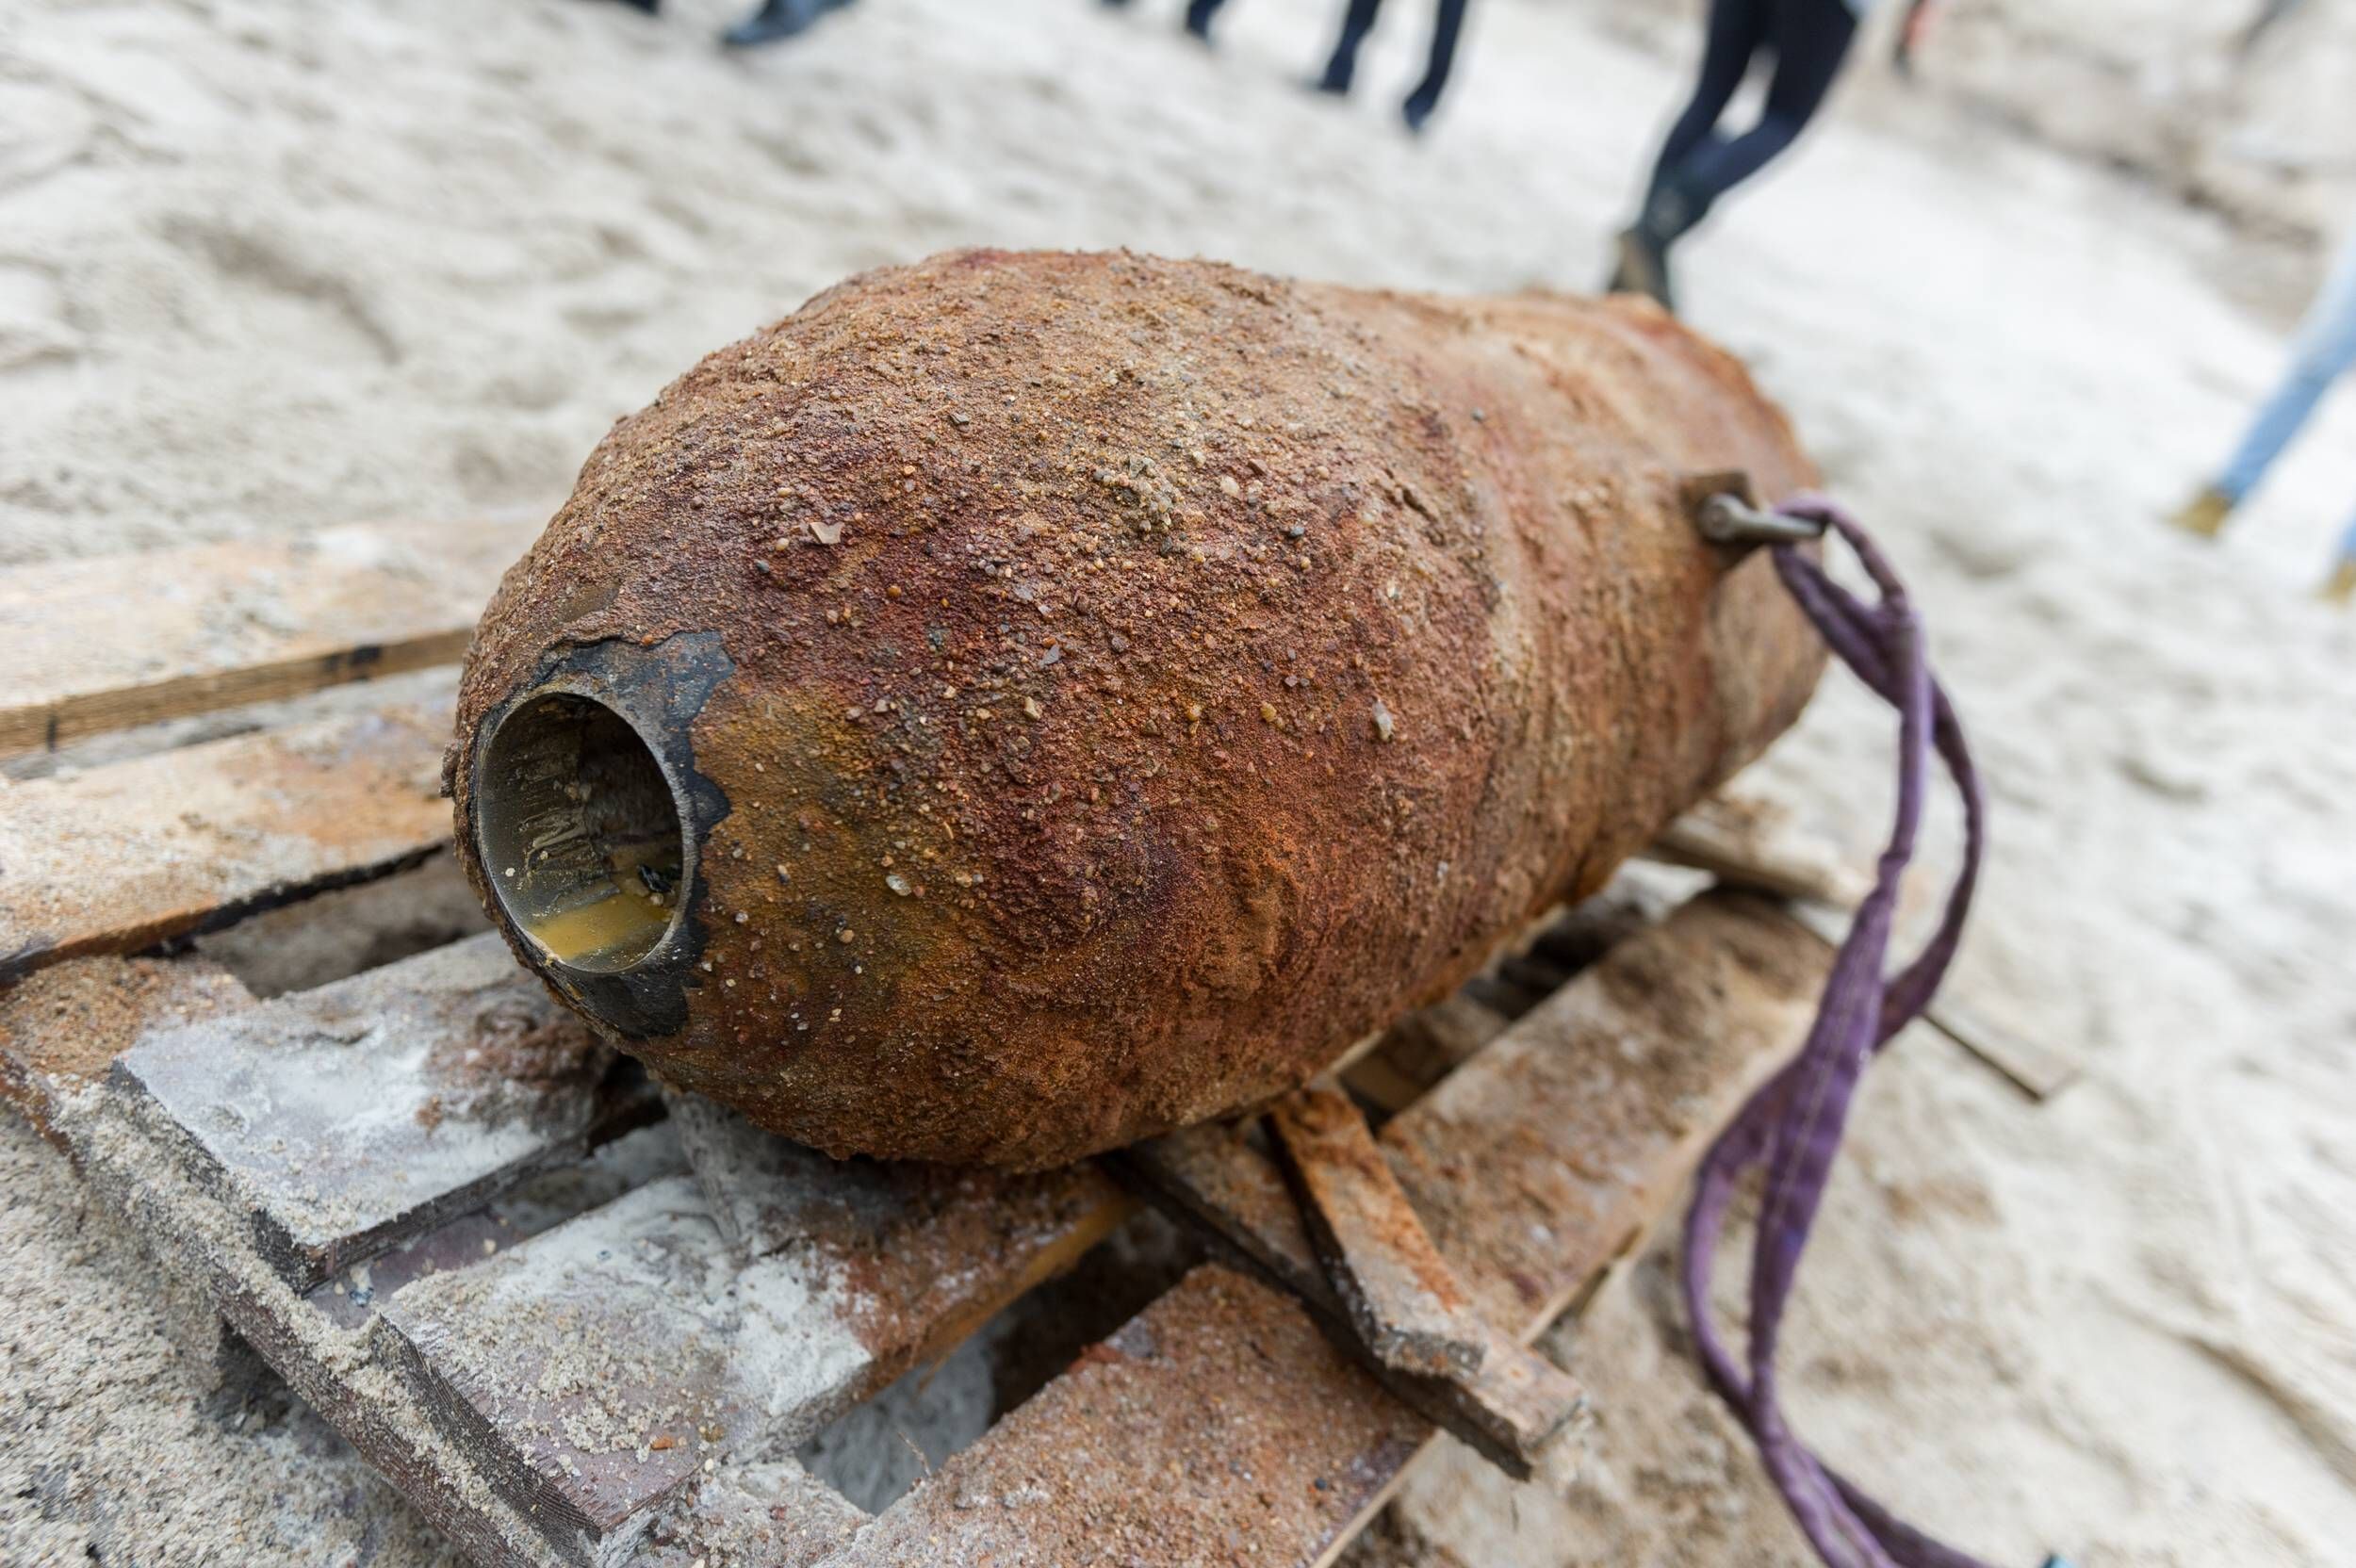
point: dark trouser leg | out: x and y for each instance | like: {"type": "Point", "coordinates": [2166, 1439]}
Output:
{"type": "Point", "coordinates": [1736, 30]}
{"type": "Point", "coordinates": [1447, 23]}
{"type": "Point", "coordinates": [1199, 14]}
{"type": "Point", "coordinates": [1356, 23]}
{"type": "Point", "coordinates": [1810, 37]}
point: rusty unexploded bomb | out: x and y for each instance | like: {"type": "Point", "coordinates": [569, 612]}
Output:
{"type": "Point", "coordinates": [1021, 703]}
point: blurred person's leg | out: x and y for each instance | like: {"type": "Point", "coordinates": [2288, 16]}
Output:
{"type": "Point", "coordinates": [777, 19]}
{"type": "Point", "coordinates": [2322, 351]}
{"type": "Point", "coordinates": [1811, 39]}
{"type": "Point", "coordinates": [2325, 347]}
{"type": "Point", "coordinates": [1448, 20]}
{"type": "Point", "coordinates": [1199, 14]}
{"type": "Point", "coordinates": [2340, 585]}
{"type": "Point", "coordinates": [1342, 66]}
{"type": "Point", "coordinates": [1913, 27]}
{"type": "Point", "coordinates": [1736, 30]}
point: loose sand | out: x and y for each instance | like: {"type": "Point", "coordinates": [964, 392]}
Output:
{"type": "Point", "coordinates": [261, 271]}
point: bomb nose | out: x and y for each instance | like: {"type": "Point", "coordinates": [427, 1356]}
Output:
{"type": "Point", "coordinates": [580, 833]}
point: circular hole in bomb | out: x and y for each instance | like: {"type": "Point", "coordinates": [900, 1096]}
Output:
{"type": "Point", "coordinates": [579, 834]}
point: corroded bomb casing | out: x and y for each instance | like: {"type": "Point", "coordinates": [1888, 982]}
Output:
{"type": "Point", "coordinates": [1021, 703]}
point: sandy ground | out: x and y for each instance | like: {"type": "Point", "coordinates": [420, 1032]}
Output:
{"type": "Point", "coordinates": [260, 272]}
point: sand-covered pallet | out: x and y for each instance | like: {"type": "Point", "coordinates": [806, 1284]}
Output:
{"type": "Point", "coordinates": [237, 622]}
{"type": "Point", "coordinates": [578, 1322]}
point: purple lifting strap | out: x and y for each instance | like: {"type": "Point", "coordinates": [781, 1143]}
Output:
{"type": "Point", "coordinates": [1792, 1126]}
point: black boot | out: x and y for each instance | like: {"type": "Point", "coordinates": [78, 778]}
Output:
{"type": "Point", "coordinates": [1447, 23]}
{"type": "Point", "coordinates": [1671, 209]}
{"type": "Point", "coordinates": [1642, 266]}
{"type": "Point", "coordinates": [777, 19]}
{"type": "Point", "coordinates": [1419, 108]}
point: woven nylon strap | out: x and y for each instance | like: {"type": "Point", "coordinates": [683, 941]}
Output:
{"type": "Point", "coordinates": [1791, 1127]}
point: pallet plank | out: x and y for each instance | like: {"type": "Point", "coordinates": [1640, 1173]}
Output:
{"type": "Point", "coordinates": [1535, 1166]}
{"type": "Point", "coordinates": [1553, 1150]}
{"type": "Point", "coordinates": [346, 1119]}
{"type": "Point", "coordinates": [539, 1202]}
{"type": "Point", "coordinates": [62, 1028]}
{"type": "Point", "coordinates": [568, 1360]}
{"type": "Point", "coordinates": [911, 1234]}
{"type": "Point", "coordinates": [596, 1368]}
{"type": "Point", "coordinates": [1223, 1180]}
{"type": "Point", "coordinates": [333, 1365]}
{"type": "Point", "coordinates": [1747, 841]}
{"type": "Point", "coordinates": [123, 856]}
{"type": "Point", "coordinates": [237, 622]}
{"type": "Point", "coordinates": [1218, 1426]}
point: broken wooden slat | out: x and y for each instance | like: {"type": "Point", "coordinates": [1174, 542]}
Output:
{"type": "Point", "coordinates": [1400, 1296]}
{"type": "Point", "coordinates": [601, 1362]}
{"type": "Point", "coordinates": [345, 1120]}
{"type": "Point", "coordinates": [239, 622]}
{"type": "Point", "coordinates": [1218, 1426]}
{"type": "Point", "coordinates": [1222, 1180]}
{"type": "Point", "coordinates": [1406, 1305]}
{"type": "Point", "coordinates": [123, 857]}
{"type": "Point", "coordinates": [1227, 1185]}
{"type": "Point", "coordinates": [62, 1028]}
{"type": "Point", "coordinates": [1535, 1166]}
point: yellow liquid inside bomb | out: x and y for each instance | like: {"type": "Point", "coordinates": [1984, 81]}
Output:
{"type": "Point", "coordinates": [620, 924]}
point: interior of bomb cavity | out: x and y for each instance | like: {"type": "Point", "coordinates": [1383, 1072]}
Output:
{"type": "Point", "coordinates": [579, 833]}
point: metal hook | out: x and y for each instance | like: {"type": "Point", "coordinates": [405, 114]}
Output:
{"type": "Point", "coordinates": [1726, 518]}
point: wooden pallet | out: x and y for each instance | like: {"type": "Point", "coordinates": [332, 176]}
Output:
{"type": "Point", "coordinates": [579, 1323]}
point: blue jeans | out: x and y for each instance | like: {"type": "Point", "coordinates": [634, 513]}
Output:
{"type": "Point", "coordinates": [2325, 349]}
